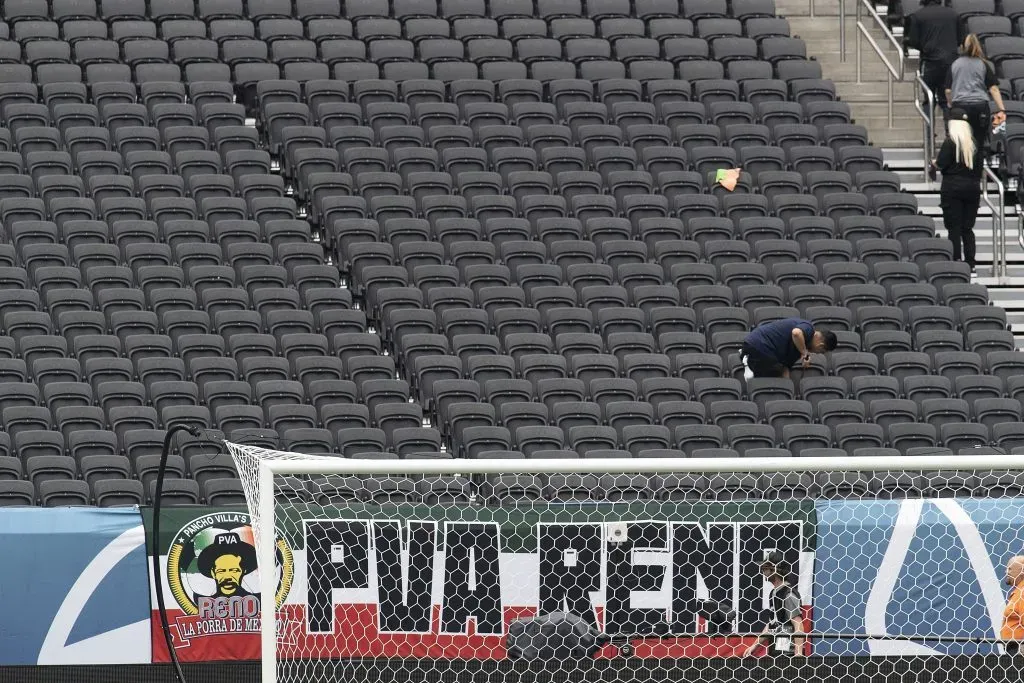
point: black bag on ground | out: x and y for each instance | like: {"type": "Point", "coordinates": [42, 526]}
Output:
{"type": "Point", "coordinates": [719, 617]}
{"type": "Point", "coordinates": [552, 636]}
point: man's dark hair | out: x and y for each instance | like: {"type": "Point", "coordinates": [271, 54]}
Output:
{"type": "Point", "coordinates": [831, 341]}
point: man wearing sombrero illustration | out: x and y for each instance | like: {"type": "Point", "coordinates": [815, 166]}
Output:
{"type": "Point", "coordinates": [227, 561]}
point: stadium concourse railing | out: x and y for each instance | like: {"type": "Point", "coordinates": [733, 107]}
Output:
{"type": "Point", "coordinates": [993, 190]}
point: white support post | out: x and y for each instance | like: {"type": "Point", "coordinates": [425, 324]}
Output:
{"type": "Point", "coordinates": [268, 584]}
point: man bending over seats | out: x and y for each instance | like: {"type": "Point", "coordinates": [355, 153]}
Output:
{"type": "Point", "coordinates": [771, 349]}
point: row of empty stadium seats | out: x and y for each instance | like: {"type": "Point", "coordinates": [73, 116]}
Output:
{"type": "Point", "coordinates": [456, 228]}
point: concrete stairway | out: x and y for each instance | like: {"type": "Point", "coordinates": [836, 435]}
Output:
{"type": "Point", "coordinates": [869, 98]}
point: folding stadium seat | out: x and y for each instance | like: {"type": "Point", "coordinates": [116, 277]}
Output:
{"type": "Point", "coordinates": [806, 296]}
{"type": "Point", "coordinates": [57, 493]}
{"type": "Point", "coordinates": [853, 437]}
{"type": "Point", "coordinates": [933, 342]}
{"type": "Point", "coordinates": [355, 441]}
{"type": "Point", "coordinates": [338, 416]}
{"type": "Point", "coordinates": [1004, 364]}
{"type": "Point", "coordinates": [765, 391]}
{"type": "Point", "coordinates": [517, 414]}
{"type": "Point", "coordinates": [905, 228]}
{"type": "Point", "coordinates": [746, 437]}
{"type": "Point", "coordinates": [388, 417]}
{"type": "Point", "coordinates": [993, 411]}
{"type": "Point", "coordinates": [819, 388]}
{"type": "Point", "coordinates": [974, 317]}
{"type": "Point", "coordinates": [973, 387]}
{"type": "Point", "coordinates": [117, 492]}
{"type": "Point", "coordinates": [708, 390]}
{"type": "Point", "coordinates": [925, 318]}
{"type": "Point", "coordinates": [501, 391]}
{"type": "Point", "coordinates": [1008, 435]}
{"type": "Point", "coordinates": [833, 412]}
{"type": "Point", "coordinates": [801, 440]}
{"type": "Point", "coordinates": [409, 441]}
{"type": "Point", "coordinates": [782, 412]}
{"type": "Point", "coordinates": [811, 90]}
{"type": "Point", "coordinates": [937, 412]}
{"type": "Point", "coordinates": [984, 342]}
{"type": "Point", "coordinates": [954, 364]}
{"type": "Point", "coordinates": [927, 251]}
{"type": "Point", "coordinates": [480, 440]}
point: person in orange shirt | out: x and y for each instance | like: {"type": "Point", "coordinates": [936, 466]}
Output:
{"type": "Point", "coordinates": [1013, 616]}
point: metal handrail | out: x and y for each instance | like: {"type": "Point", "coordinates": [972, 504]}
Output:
{"type": "Point", "coordinates": [892, 73]}
{"type": "Point", "coordinates": [1020, 226]}
{"type": "Point", "coordinates": [898, 73]}
{"type": "Point", "coordinates": [862, 30]}
{"type": "Point", "coordinates": [998, 222]}
{"type": "Point", "coordinates": [867, 4]}
{"type": "Point", "coordinates": [928, 137]}
{"type": "Point", "coordinates": [842, 29]}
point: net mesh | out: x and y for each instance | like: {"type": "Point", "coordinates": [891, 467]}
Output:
{"type": "Point", "coordinates": [704, 574]}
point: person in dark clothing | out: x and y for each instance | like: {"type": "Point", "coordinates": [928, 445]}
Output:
{"type": "Point", "coordinates": [971, 84]}
{"type": "Point", "coordinates": [782, 632]}
{"type": "Point", "coordinates": [771, 349]}
{"type": "Point", "coordinates": [961, 164]}
{"type": "Point", "coordinates": [932, 30]}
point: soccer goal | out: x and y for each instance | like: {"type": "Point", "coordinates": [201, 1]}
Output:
{"type": "Point", "coordinates": [419, 569]}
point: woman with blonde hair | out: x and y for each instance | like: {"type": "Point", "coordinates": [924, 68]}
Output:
{"type": "Point", "coordinates": [970, 84]}
{"type": "Point", "coordinates": [961, 163]}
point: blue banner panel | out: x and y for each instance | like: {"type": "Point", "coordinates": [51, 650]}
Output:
{"type": "Point", "coordinates": [73, 587]}
{"type": "Point", "coordinates": [913, 568]}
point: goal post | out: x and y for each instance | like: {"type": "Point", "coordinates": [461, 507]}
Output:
{"type": "Point", "coordinates": [423, 563]}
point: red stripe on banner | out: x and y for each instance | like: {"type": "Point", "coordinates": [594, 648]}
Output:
{"type": "Point", "coordinates": [356, 635]}
{"type": "Point", "coordinates": [204, 640]}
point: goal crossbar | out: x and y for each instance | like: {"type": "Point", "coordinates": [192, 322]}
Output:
{"type": "Point", "coordinates": [270, 468]}
{"type": "Point", "coordinates": [354, 466]}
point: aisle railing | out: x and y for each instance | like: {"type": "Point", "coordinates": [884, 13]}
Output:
{"type": "Point", "coordinates": [895, 72]}
{"type": "Point", "coordinates": [998, 209]}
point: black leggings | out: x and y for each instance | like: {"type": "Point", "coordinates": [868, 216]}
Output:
{"type": "Point", "coordinates": [959, 212]}
{"type": "Point", "coordinates": [933, 73]}
{"type": "Point", "coordinates": [980, 117]}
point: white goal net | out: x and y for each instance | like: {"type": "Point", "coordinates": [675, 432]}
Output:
{"type": "Point", "coordinates": [430, 569]}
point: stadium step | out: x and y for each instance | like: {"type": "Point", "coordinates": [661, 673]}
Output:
{"type": "Point", "coordinates": [1007, 292]}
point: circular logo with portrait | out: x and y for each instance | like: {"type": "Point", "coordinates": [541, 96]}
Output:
{"type": "Point", "coordinates": [212, 562]}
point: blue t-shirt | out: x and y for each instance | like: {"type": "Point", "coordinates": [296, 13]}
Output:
{"type": "Point", "coordinates": [775, 339]}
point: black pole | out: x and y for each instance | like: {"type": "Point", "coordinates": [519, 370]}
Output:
{"type": "Point", "coordinates": [157, 574]}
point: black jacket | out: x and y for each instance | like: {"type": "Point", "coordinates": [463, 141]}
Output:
{"type": "Point", "coordinates": [934, 31]}
{"type": "Point", "coordinates": [955, 175]}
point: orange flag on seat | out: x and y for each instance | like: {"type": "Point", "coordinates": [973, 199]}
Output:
{"type": "Point", "coordinates": [727, 178]}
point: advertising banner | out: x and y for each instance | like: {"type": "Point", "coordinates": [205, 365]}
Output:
{"type": "Point", "coordinates": [73, 587]}
{"type": "Point", "coordinates": [444, 581]}
{"type": "Point", "coordinates": [913, 568]}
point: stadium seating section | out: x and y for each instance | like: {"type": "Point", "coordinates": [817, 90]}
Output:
{"type": "Point", "coordinates": [458, 228]}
